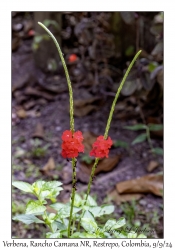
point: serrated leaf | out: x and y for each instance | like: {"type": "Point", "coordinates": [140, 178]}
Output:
{"type": "Point", "coordinates": [27, 219]}
{"type": "Point", "coordinates": [155, 127]}
{"type": "Point", "coordinates": [51, 185]}
{"type": "Point", "coordinates": [136, 127]}
{"type": "Point", "coordinates": [119, 235]}
{"type": "Point", "coordinates": [58, 206]}
{"type": "Point", "coordinates": [91, 202]}
{"type": "Point", "coordinates": [65, 212]}
{"type": "Point", "coordinates": [113, 224]}
{"type": "Point", "coordinates": [109, 224]}
{"type": "Point", "coordinates": [35, 207]}
{"type": "Point", "coordinates": [77, 200]}
{"type": "Point", "coordinates": [24, 186]}
{"type": "Point", "coordinates": [37, 186]}
{"type": "Point", "coordinates": [55, 192]}
{"type": "Point", "coordinates": [61, 226]}
{"type": "Point", "coordinates": [43, 195]}
{"type": "Point", "coordinates": [54, 226]}
{"type": "Point", "coordinates": [89, 225]}
{"type": "Point", "coordinates": [120, 223]}
{"type": "Point", "coordinates": [106, 209]}
{"type": "Point", "coordinates": [158, 151]}
{"type": "Point", "coordinates": [139, 139]}
{"type": "Point", "coordinates": [88, 215]}
{"type": "Point", "coordinates": [94, 210]}
{"type": "Point", "coordinates": [56, 235]}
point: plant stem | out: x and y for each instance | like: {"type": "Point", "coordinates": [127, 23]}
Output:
{"type": "Point", "coordinates": [108, 126]}
{"type": "Point", "coordinates": [91, 179]}
{"type": "Point", "coordinates": [73, 225]}
{"type": "Point", "coordinates": [71, 119]}
{"type": "Point", "coordinates": [73, 193]}
{"type": "Point", "coordinates": [117, 94]}
{"type": "Point", "coordinates": [67, 76]}
{"type": "Point", "coordinates": [89, 187]}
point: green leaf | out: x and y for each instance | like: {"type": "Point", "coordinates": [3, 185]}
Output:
{"type": "Point", "coordinates": [106, 209]}
{"type": "Point", "coordinates": [35, 207]}
{"type": "Point", "coordinates": [55, 192]}
{"type": "Point", "coordinates": [37, 186]}
{"type": "Point", "coordinates": [120, 223]}
{"type": "Point", "coordinates": [65, 212]}
{"type": "Point", "coordinates": [54, 226]}
{"type": "Point", "coordinates": [141, 236]}
{"type": "Point", "coordinates": [158, 151]}
{"type": "Point", "coordinates": [132, 235]}
{"type": "Point", "coordinates": [49, 219]}
{"type": "Point", "coordinates": [140, 138]}
{"type": "Point", "coordinates": [43, 195]}
{"type": "Point", "coordinates": [51, 185]}
{"type": "Point", "coordinates": [91, 202]}
{"type": "Point", "coordinates": [61, 226]}
{"type": "Point", "coordinates": [100, 211]}
{"type": "Point", "coordinates": [155, 127]}
{"type": "Point", "coordinates": [58, 206]}
{"type": "Point", "coordinates": [109, 224]}
{"type": "Point", "coordinates": [56, 235]}
{"type": "Point", "coordinates": [88, 215]}
{"type": "Point", "coordinates": [120, 235]}
{"type": "Point", "coordinates": [27, 219]}
{"type": "Point", "coordinates": [89, 225]}
{"type": "Point", "coordinates": [94, 210]}
{"type": "Point", "coordinates": [78, 200]}
{"type": "Point", "coordinates": [121, 144]}
{"type": "Point", "coordinates": [113, 224]}
{"type": "Point", "coordinates": [24, 186]}
{"type": "Point", "coordinates": [136, 127]}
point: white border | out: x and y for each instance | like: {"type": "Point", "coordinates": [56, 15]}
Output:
{"type": "Point", "coordinates": [5, 95]}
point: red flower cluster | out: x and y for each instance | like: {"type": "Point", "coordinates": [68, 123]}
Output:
{"type": "Point", "coordinates": [72, 58]}
{"type": "Point", "coordinates": [101, 147]}
{"type": "Point", "coordinates": [72, 144]}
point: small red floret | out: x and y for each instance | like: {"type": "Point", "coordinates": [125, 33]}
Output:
{"type": "Point", "coordinates": [101, 147]}
{"type": "Point", "coordinates": [72, 144]}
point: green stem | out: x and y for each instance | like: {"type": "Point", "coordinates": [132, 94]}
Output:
{"type": "Point", "coordinates": [89, 188]}
{"type": "Point", "coordinates": [66, 73]}
{"type": "Point", "coordinates": [73, 225]}
{"type": "Point", "coordinates": [117, 94]}
{"type": "Point", "coordinates": [73, 193]}
{"type": "Point", "coordinates": [108, 125]}
{"type": "Point", "coordinates": [71, 118]}
{"type": "Point", "coordinates": [91, 179]}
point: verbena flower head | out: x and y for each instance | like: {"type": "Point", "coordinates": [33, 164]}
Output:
{"type": "Point", "coordinates": [101, 147]}
{"type": "Point", "coordinates": [72, 144]}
